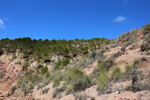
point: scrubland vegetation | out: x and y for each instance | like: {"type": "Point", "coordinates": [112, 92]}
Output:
{"type": "Point", "coordinates": [67, 74]}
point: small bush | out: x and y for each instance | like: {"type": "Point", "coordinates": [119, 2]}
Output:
{"type": "Point", "coordinates": [102, 80]}
{"type": "Point", "coordinates": [136, 63]}
{"type": "Point", "coordinates": [119, 53]}
{"type": "Point", "coordinates": [13, 58]}
{"type": "Point", "coordinates": [2, 73]}
{"type": "Point", "coordinates": [44, 70]}
{"type": "Point", "coordinates": [93, 54]}
{"type": "Point", "coordinates": [65, 62]}
{"type": "Point", "coordinates": [18, 62]}
{"type": "Point", "coordinates": [127, 43]}
{"type": "Point", "coordinates": [69, 89]}
{"type": "Point", "coordinates": [139, 86]}
{"type": "Point", "coordinates": [148, 37]}
{"type": "Point", "coordinates": [57, 65]}
{"type": "Point", "coordinates": [116, 73]}
{"type": "Point", "coordinates": [31, 86]}
{"type": "Point", "coordinates": [146, 27]}
{"type": "Point", "coordinates": [13, 89]}
{"type": "Point", "coordinates": [128, 67]}
{"type": "Point", "coordinates": [103, 66]}
{"type": "Point", "coordinates": [45, 91]}
{"type": "Point", "coordinates": [57, 94]}
{"type": "Point", "coordinates": [143, 59]}
{"type": "Point", "coordinates": [81, 84]}
{"type": "Point", "coordinates": [81, 96]}
{"type": "Point", "coordinates": [20, 81]}
{"type": "Point", "coordinates": [102, 53]}
{"type": "Point", "coordinates": [56, 81]}
{"type": "Point", "coordinates": [145, 47]}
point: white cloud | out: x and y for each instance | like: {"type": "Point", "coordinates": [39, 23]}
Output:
{"type": "Point", "coordinates": [120, 18]}
{"type": "Point", "coordinates": [1, 22]}
{"type": "Point", "coordinates": [2, 26]}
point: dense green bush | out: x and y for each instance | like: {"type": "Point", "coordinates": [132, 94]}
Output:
{"type": "Point", "coordinates": [44, 70]}
{"type": "Point", "coordinates": [105, 65]}
{"type": "Point", "coordinates": [102, 80]}
{"type": "Point", "coordinates": [65, 62]}
{"type": "Point", "coordinates": [81, 83]}
{"type": "Point", "coordinates": [56, 81]}
{"type": "Point", "coordinates": [116, 73]}
{"type": "Point", "coordinates": [57, 65]}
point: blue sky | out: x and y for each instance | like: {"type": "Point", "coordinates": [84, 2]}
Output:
{"type": "Point", "coordinates": [70, 19]}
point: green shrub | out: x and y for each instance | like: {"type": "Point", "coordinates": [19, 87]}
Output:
{"type": "Point", "coordinates": [116, 73]}
{"type": "Point", "coordinates": [57, 65]}
{"type": "Point", "coordinates": [102, 53]}
{"type": "Point", "coordinates": [2, 73]}
{"type": "Point", "coordinates": [136, 63]}
{"type": "Point", "coordinates": [81, 96]}
{"type": "Point", "coordinates": [93, 54]}
{"type": "Point", "coordinates": [66, 50]}
{"type": "Point", "coordinates": [56, 80]}
{"type": "Point", "coordinates": [44, 70]}
{"type": "Point", "coordinates": [145, 47]}
{"type": "Point", "coordinates": [31, 86]}
{"type": "Point", "coordinates": [128, 67]}
{"type": "Point", "coordinates": [45, 91]}
{"type": "Point", "coordinates": [148, 37]}
{"type": "Point", "coordinates": [46, 75]}
{"type": "Point", "coordinates": [78, 80]}
{"type": "Point", "coordinates": [65, 62]}
{"type": "Point", "coordinates": [102, 80]}
{"type": "Point", "coordinates": [25, 53]}
{"type": "Point", "coordinates": [76, 72]}
{"type": "Point", "coordinates": [146, 27]}
{"type": "Point", "coordinates": [81, 84]}
{"type": "Point", "coordinates": [105, 65]}
{"type": "Point", "coordinates": [20, 81]}
{"type": "Point", "coordinates": [36, 78]}
{"type": "Point", "coordinates": [57, 93]}
{"type": "Point", "coordinates": [139, 86]}
{"type": "Point", "coordinates": [69, 89]}
{"type": "Point", "coordinates": [13, 58]}
{"type": "Point", "coordinates": [43, 84]}
{"type": "Point", "coordinates": [18, 62]}
{"type": "Point", "coordinates": [127, 43]}
{"type": "Point", "coordinates": [13, 89]}
{"type": "Point", "coordinates": [119, 53]}
{"type": "Point", "coordinates": [26, 64]}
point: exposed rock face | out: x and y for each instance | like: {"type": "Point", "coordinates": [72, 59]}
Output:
{"type": "Point", "coordinates": [132, 52]}
{"type": "Point", "coordinates": [139, 35]}
{"type": "Point", "coordinates": [122, 41]}
{"type": "Point", "coordinates": [55, 58]}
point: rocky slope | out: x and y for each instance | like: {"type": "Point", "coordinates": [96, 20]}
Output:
{"type": "Point", "coordinates": [119, 70]}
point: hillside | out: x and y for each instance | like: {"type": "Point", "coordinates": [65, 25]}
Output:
{"type": "Point", "coordinates": [94, 69]}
